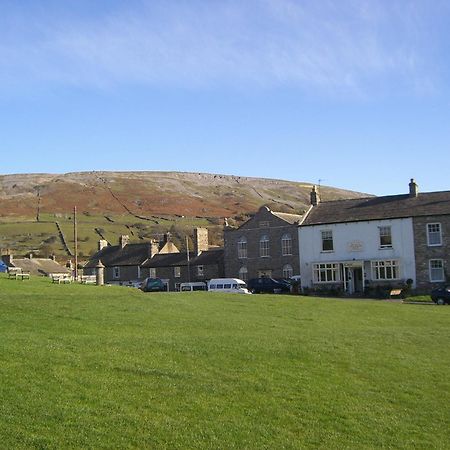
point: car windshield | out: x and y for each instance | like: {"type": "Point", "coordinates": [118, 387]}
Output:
{"type": "Point", "coordinates": [242, 285]}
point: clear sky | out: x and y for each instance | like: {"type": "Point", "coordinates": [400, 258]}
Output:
{"type": "Point", "coordinates": [354, 93]}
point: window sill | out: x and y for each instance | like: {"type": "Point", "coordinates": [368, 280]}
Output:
{"type": "Point", "coordinates": [386, 248]}
{"type": "Point", "coordinates": [327, 251]}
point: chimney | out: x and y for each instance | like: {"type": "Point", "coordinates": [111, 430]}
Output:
{"type": "Point", "coordinates": [123, 240]}
{"type": "Point", "coordinates": [413, 188]}
{"type": "Point", "coordinates": [53, 257]}
{"type": "Point", "coordinates": [200, 240]}
{"type": "Point", "coordinates": [102, 243]}
{"type": "Point", "coordinates": [314, 197]}
{"type": "Point", "coordinates": [154, 248]}
{"type": "Point", "coordinates": [8, 259]}
{"type": "Point", "coordinates": [30, 256]}
{"type": "Point", "coordinates": [167, 238]}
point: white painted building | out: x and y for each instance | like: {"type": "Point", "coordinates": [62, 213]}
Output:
{"type": "Point", "coordinates": [352, 255]}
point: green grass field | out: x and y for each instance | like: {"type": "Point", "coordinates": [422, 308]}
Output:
{"type": "Point", "coordinates": [110, 367]}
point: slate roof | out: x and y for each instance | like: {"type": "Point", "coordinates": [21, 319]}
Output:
{"type": "Point", "coordinates": [205, 258]}
{"type": "Point", "coordinates": [39, 266]}
{"type": "Point", "coordinates": [290, 218]}
{"type": "Point", "coordinates": [115, 255]}
{"type": "Point", "coordinates": [376, 208]}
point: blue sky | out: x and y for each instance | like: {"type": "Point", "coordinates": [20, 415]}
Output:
{"type": "Point", "coordinates": [353, 93]}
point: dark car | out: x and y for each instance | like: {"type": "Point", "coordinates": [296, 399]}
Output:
{"type": "Point", "coordinates": [268, 285]}
{"type": "Point", "coordinates": [441, 296]}
{"type": "Point", "coordinates": [153, 285]}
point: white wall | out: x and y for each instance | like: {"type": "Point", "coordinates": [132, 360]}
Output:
{"type": "Point", "coordinates": [358, 241]}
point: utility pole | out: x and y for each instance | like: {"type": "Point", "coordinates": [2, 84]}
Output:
{"type": "Point", "coordinates": [187, 255]}
{"type": "Point", "coordinates": [75, 240]}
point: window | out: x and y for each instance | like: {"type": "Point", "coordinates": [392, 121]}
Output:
{"type": "Point", "coordinates": [434, 234]}
{"type": "Point", "coordinates": [385, 270]}
{"type": "Point", "coordinates": [437, 270]}
{"type": "Point", "coordinates": [200, 271]}
{"type": "Point", "coordinates": [327, 241]}
{"type": "Point", "coordinates": [116, 272]}
{"type": "Point", "coordinates": [177, 272]}
{"type": "Point", "coordinates": [264, 247]}
{"type": "Point", "coordinates": [385, 237]}
{"type": "Point", "coordinates": [152, 272]}
{"type": "Point", "coordinates": [286, 245]}
{"type": "Point", "coordinates": [326, 272]}
{"type": "Point", "coordinates": [287, 271]}
{"type": "Point", "coordinates": [242, 247]}
{"type": "Point", "coordinates": [243, 273]}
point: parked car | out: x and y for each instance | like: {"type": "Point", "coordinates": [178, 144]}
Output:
{"type": "Point", "coordinates": [153, 285]}
{"type": "Point", "coordinates": [268, 285]}
{"type": "Point", "coordinates": [441, 296]}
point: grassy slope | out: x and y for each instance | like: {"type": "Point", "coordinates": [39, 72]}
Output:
{"type": "Point", "coordinates": [90, 367]}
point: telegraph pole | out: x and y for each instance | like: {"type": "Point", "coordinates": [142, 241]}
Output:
{"type": "Point", "coordinates": [187, 255]}
{"type": "Point", "coordinates": [75, 240]}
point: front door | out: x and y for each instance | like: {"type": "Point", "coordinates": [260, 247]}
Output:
{"type": "Point", "coordinates": [353, 279]}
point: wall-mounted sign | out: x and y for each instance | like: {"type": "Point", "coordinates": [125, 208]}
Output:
{"type": "Point", "coordinates": [355, 246]}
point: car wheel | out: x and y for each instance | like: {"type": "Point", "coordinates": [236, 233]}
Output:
{"type": "Point", "coordinates": [440, 301]}
{"type": "Point", "coordinates": [253, 291]}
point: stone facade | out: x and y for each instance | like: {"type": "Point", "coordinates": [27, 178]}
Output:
{"type": "Point", "coordinates": [265, 245]}
{"type": "Point", "coordinates": [424, 252]}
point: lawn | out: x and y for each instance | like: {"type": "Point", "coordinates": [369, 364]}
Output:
{"type": "Point", "coordinates": [111, 367]}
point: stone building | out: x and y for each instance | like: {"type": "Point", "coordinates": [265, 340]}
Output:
{"type": "Point", "coordinates": [201, 264]}
{"type": "Point", "coordinates": [264, 246]}
{"type": "Point", "coordinates": [123, 261]}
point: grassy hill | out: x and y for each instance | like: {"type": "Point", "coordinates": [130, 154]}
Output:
{"type": "Point", "coordinates": [34, 208]}
{"type": "Point", "coordinates": [110, 367]}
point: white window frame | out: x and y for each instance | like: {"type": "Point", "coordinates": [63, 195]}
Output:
{"type": "Point", "coordinates": [326, 272]}
{"type": "Point", "coordinates": [385, 270]}
{"type": "Point", "coordinates": [441, 268]}
{"type": "Point", "coordinates": [200, 271]}
{"type": "Point", "coordinates": [242, 248]}
{"type": "Point", "coordinates": [264, 246]}
{"type": "Point", "coordinates": [288, 271]}
{"type": "Point", "coordinates": [286, 245]}
{"type": "Point", "coordinates": [152, 272]}
{"type": "Point", "coordinates": [435, 233]}
{"type": "Point", "coordinates": [177, 272]}
{"type": "Point", "coordinates": [385, 231]}
{"type": "Point", "coordinates": [116, 272]}
{"type": "Point", "coordinates": [243, 273]}
{"type": "Point", "coordinates": [327, 235]}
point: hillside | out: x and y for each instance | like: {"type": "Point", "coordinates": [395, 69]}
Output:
{"type": "Point", "coordinates": [35, 208]}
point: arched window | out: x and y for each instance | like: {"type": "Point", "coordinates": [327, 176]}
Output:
{"type": "Point", "coordinates": [286, 245]}
{"type": "Point", "coordinates": [287, 271]}
{"type": "Point", "coordinates": [243, 273]}
{"type": "Point", "coordinates": [264, 246]}
{"type": "Point", "coordinates": [242, 247]}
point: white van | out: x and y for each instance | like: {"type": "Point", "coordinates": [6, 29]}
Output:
{"type": "Point", "coordinates": [194, 286]}
{"type": "Point", "coordinates": [231, 285]}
